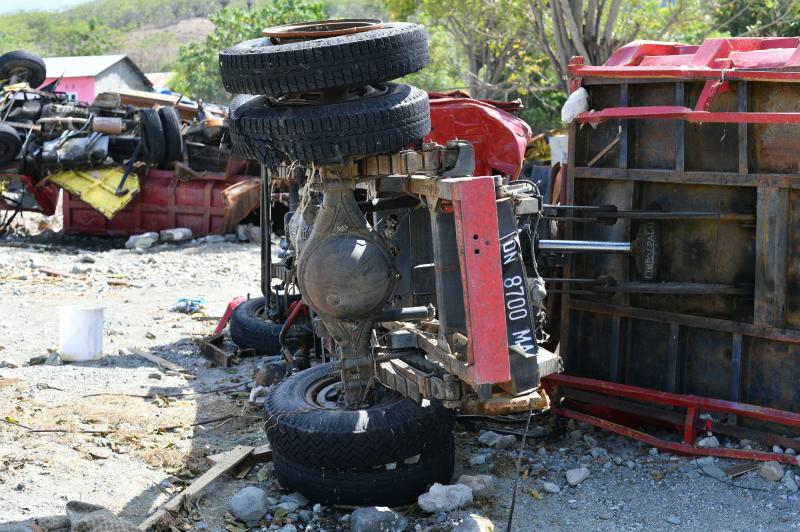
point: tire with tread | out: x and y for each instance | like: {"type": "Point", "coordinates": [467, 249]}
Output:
{"type": "Point", "coordinates": [10, 143]}
{"type": "Point", "coordinates": [310, 434]}
{"type": "Point", "coordinates": [152, 134]}
{"type": "Point", "coordinates": [171, 124]}
{"type": "Point", "coordinates": [260, 67]}
{"type": "Point", "coordinates": [249, 331]}
{"type": "Point", "coordinates": [329, 133]}
{"type": "Point", "coordinates": [368, 487]}
{"type": "Point", "coordinates": [239, 145]}
{"type": "Point", "coordinates": [31, 64]}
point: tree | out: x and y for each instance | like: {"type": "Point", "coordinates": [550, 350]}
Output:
{"type": "Point", "coordinates": [488, 34]}
{"type": "Point", "coordinates": [593, 29]}
{"type": "Point", "coordinates": [775, 18]}
{"type": "Point", "coordinates": [197, 69]}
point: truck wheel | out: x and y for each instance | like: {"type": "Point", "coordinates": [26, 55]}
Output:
{"type": "Point", "coordinates": [368, 487]}
{"type": "Point", "coordinates": [10, 143]}
{"type": "Point", "coordinates": [306, 425]}
{"type": "Point", "coordinates": [171, 124]}
{"type": "Point", "coordinates": [391, 117]}
{"type": "Point", "coordinates": [260, 67]}
{"type": "Point", "coordinates": [239, 144]}
{"type": "Point", "coordinates": [21, 66]}
{"type": "Point", "coordinates": [249, 330]}
{"type": "Point", "coordinates": [152, 133]}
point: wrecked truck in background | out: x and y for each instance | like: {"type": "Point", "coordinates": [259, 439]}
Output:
{"type": "Point", "coordinates": [131, 161]}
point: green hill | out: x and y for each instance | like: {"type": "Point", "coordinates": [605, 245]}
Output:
{"type": "Point", "coordinates": [150, 31]}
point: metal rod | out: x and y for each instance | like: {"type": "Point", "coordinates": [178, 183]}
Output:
{"type": "Point", "coordinates": [583, 246]}
{"type": "Point", "coordinates": [266, 239]}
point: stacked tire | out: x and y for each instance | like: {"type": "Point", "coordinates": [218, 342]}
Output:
{"type": "Point", "coordinates": [275, 117]}
{"type": "Point", "coordinates": [324, 101]}
{"type": "Point", "coordinates": [384, 455]}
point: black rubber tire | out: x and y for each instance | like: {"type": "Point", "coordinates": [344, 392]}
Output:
{"type": "Point", "coordinates": [30, 65]}
{"type": "Point", "coordinates": [307, 433]}
{"type": "Point", "coordinates": [241, 148]}
{"type": "Point", "coordinates": [332, 132]}
{"type": "Point", "coordinates": [171, 124]}
{"type": "Point", "coordinates": [152, 134]}
{"type": "Point", "coordinates": [249, 331]}
{"type": "Point", "coordinates": [368, 487]}
{"type": "Point", "coordinates": [260, 67]}
{"type": "Point", "coordinates": [10, 143]}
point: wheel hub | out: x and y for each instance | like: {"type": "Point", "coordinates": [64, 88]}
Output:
{"type": "Point", "coordinates": [320, 29]}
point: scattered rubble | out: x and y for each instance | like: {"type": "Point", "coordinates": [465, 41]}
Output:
{"type": "Point", "coordinates": [577, 475]}
{"type": "Point", "coordinates": [492, 439]}
{"type": "Point", "coordinates": [708, 441]}
{"type": "Point", "coordinates": [143, 241]}
{"type": "Point", "coordinates": [481, 485]}
{"type": "Point", "coordinates": [250, 504]}
{"type": "Point", "coordinates": [178, 234]}
{"type": "Point", "coordinates": [474, 523]}
{"type": "Point", "coordinates": [445, 498]}
{"type": "Point", "coordinates": [771, 471]}
{"type": "Point", "coordinates": [377, 519]}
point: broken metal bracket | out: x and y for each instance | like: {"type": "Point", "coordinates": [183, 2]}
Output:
{"type": "Point", "coordinates": [212, 348]}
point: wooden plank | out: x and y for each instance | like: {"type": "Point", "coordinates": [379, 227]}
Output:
{"type": "Point", "coordinates": [163, 362]}
{"type": "Point", "coordinates": [672, 357]}
{"type": "Point", "coordinates": [740, 469]}
{"type": "Point", "coordinates": [743, 150]}
{"type": "Point", "coordinates": [624, 128]}
{"type": "Point", "coordinates": [680, 128]}
{"type": "Point", "coordinates": [689, 178]}
{"type": "Point", "coordinates": [231, 460]}
{"type": "Point", "coordinates": [736, 372]}
{"type": "Point", "coordinates": [614, 346]}
{"type": "Point", "coordinates": [714, 324]}
{"type": "Point", "coordinates": [262, 453]}
{"type": "Point", "coordinates": [772, 234]}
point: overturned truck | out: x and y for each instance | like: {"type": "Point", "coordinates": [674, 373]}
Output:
{"type": "Point", "coordinates": [419, 276]}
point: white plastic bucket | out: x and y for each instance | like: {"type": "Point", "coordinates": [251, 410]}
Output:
{"type": "Point", "coordinates": [80, 333]}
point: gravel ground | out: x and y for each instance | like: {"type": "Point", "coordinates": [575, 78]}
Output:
{"type": "Point", "coordinates": [134, 467]}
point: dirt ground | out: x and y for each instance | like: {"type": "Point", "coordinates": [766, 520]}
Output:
{"type": "Point", "coordinates": [130, 453]}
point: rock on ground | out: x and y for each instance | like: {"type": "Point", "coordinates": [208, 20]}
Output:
{"type": "Point", "coordinates": [710, 441]}
{"type": "Point", "coordinates": [445, 498]}
{"type": "Point", "coordinates": [577, 475]}
{"type": "Point", "coordinates": [377, 519]}
{"type": "Point", "coordinates": [250, 504]}
{"type": "Point", "coordinates": [481, 485]}
{"type": "Point", "coordinates": [771, 471]}
{"type": "Point", "coordinates": [789, 482]}
{"type": "Point", "coordinates": [474, 523]}
{"type": "Point", "coordinates": [550, 487]}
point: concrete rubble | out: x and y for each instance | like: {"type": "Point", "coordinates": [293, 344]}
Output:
{"type": "Point", "coordinates": [445, 498]}
{"type": "Point", "coordinates": [377, 519]}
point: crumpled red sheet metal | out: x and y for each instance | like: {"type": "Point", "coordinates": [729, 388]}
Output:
{"type": "Point", "coordinates": [499, 138]}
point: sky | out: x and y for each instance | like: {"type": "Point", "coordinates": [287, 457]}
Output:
{"type": "Point", "coordinates": [10, 6]}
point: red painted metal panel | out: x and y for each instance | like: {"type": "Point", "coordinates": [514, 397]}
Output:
{"type": "Point", "coordinates": [498, 137]}
{"type": "Point", "coordinates": [694, 405]}
{"type": "Point", "coordinates": [481, 276]}
{"type": "Point", "coordinates": [676, 112]}
{"type": "Point", "coordinates": [673, 399]}
{"type": "Point", "coordinates": [163, 203]}
{"type": "Point", "coordinates": [756, 58]}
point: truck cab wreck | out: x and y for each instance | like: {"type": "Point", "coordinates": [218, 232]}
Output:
{"type": "Point", "coordinates": [418, 273]}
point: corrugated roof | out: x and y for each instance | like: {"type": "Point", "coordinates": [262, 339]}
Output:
{"type": "Point", "coordinates": [81, 65]}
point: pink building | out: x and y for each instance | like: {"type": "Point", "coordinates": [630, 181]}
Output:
{"type": "Point", "coordinates": [84, 77]}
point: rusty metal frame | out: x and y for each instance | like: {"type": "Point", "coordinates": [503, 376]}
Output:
{"type": "Point", "coordinates": [557, 386]}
